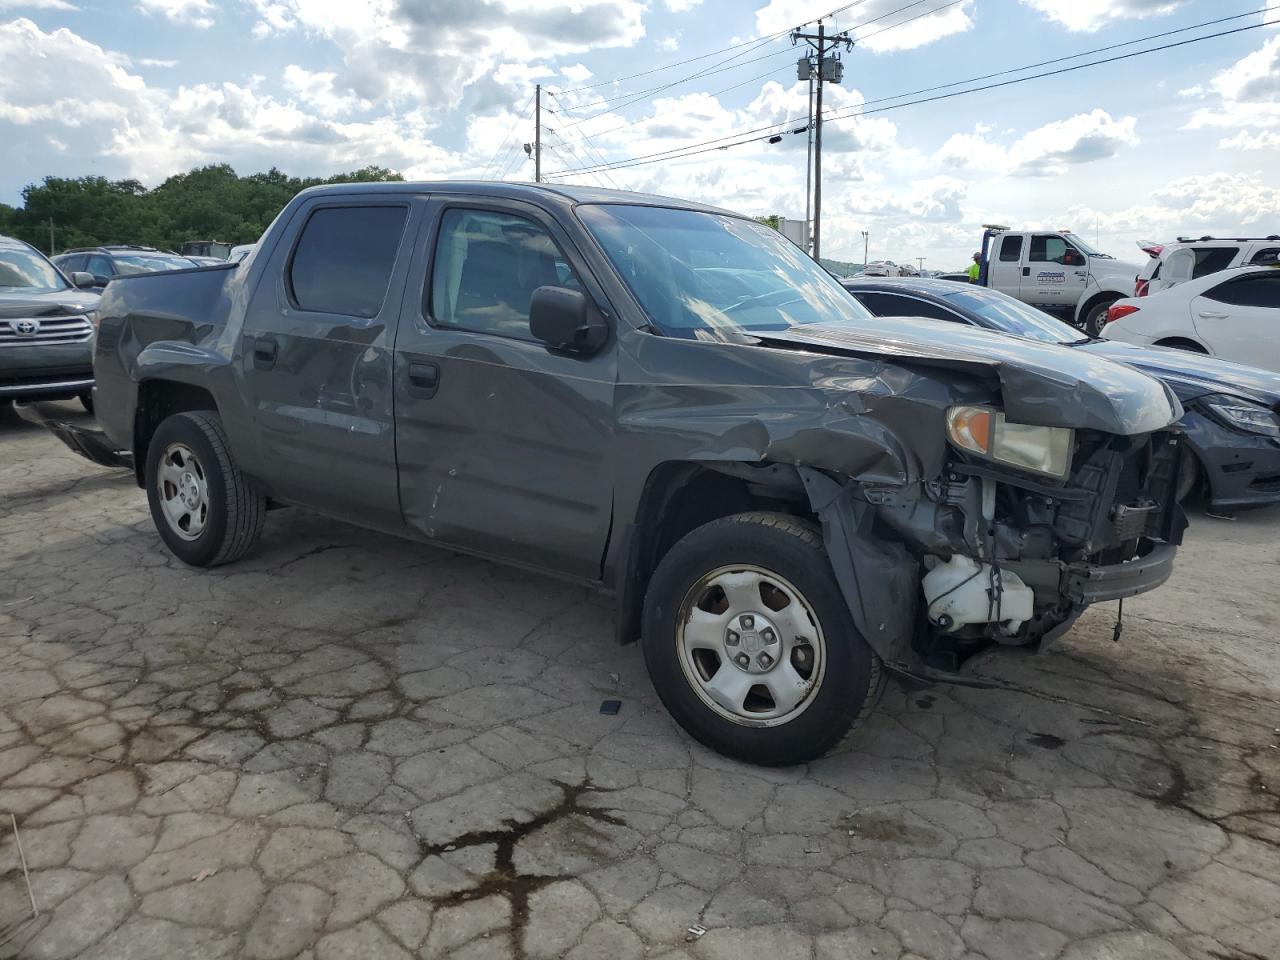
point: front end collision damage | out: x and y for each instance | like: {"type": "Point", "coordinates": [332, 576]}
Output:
{"type": "Point", "coordinates": [864, 450]}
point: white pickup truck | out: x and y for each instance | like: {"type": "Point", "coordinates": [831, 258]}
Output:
{"type": "Point", "coordinates": [1056, 271]}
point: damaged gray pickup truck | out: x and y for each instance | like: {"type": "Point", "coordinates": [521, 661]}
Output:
{"type": "Point", "coordinates": [788, 497]}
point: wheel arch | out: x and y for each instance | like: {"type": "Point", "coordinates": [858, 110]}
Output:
{"type": "Point", "coordinates": [158, 399]}
{"type": "Point", "coordinates": [1101, 297]}
{"type": "Point", "coordinates": [680, 496]}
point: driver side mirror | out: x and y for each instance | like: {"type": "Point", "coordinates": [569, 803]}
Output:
{"type": "Point", "coordinates": [83, 281]}
{"type": "Point", "coordinates": [563, 319]}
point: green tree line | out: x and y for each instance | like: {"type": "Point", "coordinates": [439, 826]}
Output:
{"type": "Point", "coordinates": [207, 203]}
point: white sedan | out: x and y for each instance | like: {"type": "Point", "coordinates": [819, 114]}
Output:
{"type": "Point", "coordinates": [1232, 314]}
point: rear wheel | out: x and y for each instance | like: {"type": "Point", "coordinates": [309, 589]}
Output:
{"type": "Point", "coordinates": [750, 644]}
{"type": "Point", "coordinates": [1179, 344]}
{"type": "Point", "coordinates": [202, 505]}
{"type": "Point", "coordinates": [86, 400]}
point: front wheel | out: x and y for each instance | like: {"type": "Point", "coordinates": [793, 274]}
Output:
{"type": "Point", "coordinates": [750, 644]}
{"type": "Point", "coordinates": [1096, 318]}
{"type": "Point", "coordinates": [202, 505]}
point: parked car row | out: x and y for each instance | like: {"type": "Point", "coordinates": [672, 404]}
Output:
{"type": "Point", "coordinates": [105, 263]}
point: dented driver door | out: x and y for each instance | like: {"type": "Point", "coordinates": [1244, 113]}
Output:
{"type": "Point", "coordinates": [502, 445]}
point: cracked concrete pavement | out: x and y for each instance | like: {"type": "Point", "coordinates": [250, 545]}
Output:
{"type": "Point", "coordinates": [351, 746]}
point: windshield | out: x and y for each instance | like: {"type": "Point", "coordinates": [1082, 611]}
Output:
{"type": "Point", "coordinates": [709, 276]}
{"type": "Point", "coordinates": [1008, 315]}
{"type": "Point", "coordinates": [151, 263]}
{"type": "Point", "coordinates": [1078, 242]}
{"type": "Point", "coordinates": [23, 269]}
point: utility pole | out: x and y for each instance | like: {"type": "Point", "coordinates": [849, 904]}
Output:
{"type": "Point", "coordinates": [535, 149]}
{"type": "Point", "coordinates": [52, 251]}
{"type": "Point", "coordinates": [866, 234]}
{"type": "Point", "coordinates": [830, 70]}
{"type": "Point", "coordinates": [922, 260]}
{"type": "Point", "coordinates": [537, 134]}
{"type": "Point", "coordinates": [808, 165]}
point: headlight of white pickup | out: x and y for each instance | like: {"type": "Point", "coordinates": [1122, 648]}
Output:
{"type": "Point", "coordinates": [1244, 415]}
{"type": "Point", "coordinates": [987, 433]}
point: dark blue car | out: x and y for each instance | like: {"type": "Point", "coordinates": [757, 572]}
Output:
{"type": "Point", "coordinates": [1232, 418]}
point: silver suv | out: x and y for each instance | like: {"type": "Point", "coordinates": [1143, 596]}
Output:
{"type": "Point", "coordinates": [1187, 259]}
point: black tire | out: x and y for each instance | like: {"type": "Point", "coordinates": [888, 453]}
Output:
{"type": "Point", "coordinates": [1177, 343]}
{"type": "Point", "coordinates": [792, 549]}
{"type": "Point", "coordinates": [1189, 476]}
{"type": "Point", "coordinates": [86, 401]}
{"type": "Point", "coordinates": [1097, 317]}
{"type": "Point", "coordinates": [235, 513]}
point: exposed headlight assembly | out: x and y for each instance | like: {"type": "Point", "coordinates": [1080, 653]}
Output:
{"type": "Point", "coordinates": [1244, 415]}
{"type": "Point", "coordinates": [987, 433]}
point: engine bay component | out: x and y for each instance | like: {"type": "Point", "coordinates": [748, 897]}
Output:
{"type": "Point", "coordinates": [962, 591]}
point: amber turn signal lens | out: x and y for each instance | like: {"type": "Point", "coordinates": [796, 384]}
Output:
{"type": "Point", "coordinates": [970, 428]}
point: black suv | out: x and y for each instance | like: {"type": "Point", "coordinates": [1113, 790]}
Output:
{"type": "Point", "coordinates": [120, 260]}
{"type": "Point", "coordinates": [46, 328]}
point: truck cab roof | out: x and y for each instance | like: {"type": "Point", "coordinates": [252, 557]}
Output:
{"type": "Point", "coordinates": [554, 193]}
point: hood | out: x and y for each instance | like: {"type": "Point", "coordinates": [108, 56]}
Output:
{"type": "Point", "coordinates": [1106, 267]}
{"type": "Point", "coordinates": [1041, 383]}
{"type": "Point", "coordinates": [1192, 375]}
{"type": "Point", "coordinates": [56, 303]}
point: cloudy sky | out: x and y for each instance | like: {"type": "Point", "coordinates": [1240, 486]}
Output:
{"type": "Point", "coordinates": [1177, 142]}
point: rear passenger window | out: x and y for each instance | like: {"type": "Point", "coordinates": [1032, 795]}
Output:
{"type": "Point", "coordinates": [1011, 249]}
{"type": "Point", "coordinates": [1258, 290]}
{"type": "Point", "coordinates": [1212, 259]}
{"type": "Point", "coordinates": [344, 258]}
{"type": "Point", "coordinates": [487, 266]}
{"type": "Point", "coordinates": [891, 305]}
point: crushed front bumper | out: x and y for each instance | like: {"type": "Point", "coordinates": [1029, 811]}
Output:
{"type": "Point", "coordinates": [1087, 583]}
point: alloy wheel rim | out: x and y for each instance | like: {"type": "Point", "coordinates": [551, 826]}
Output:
{"type": "Point", "coordinates": [750, 645]}
{"type": "Point", "coordinates": [184, 491]}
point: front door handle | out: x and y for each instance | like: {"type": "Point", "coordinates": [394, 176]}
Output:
{"type": "Point", "coordinates": [424, 377]}
{"type": "Point", "coordinates": [1214, 316]}
{"type": "Point", "coordinates": [1026, 271]}
{"type": "Point", "coordinates": [265, 350]}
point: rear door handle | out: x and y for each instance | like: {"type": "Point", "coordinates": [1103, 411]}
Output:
{"type": "Point", "coordinates": [265, 350]}
{"type": "Point", "coordinates": [424, 377]}
{"type": "Point", "coordinates": [1214, 316]}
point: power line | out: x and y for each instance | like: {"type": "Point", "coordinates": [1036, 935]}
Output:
{"type": "Point", "coordinates": [503, 143]}
{"type": "Point", "coordinates": [718, 143]}
{"type": "Point", "coordinates": [707, 56]}
{"type": "Point", "coordinates": [743, 83]}
{"type": "Point", "coordinates": [1074, 56]}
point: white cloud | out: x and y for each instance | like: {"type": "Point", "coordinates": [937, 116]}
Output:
{"type": "Point", "coordinates": [433, 50]}
{"type": "Point", "coordinates": [1248, 92]}
{"type": "Point", "coordinates": [317, 90]}
{"type": "Point", "coordinates": [152, 62]}
{"type": "Point", "coordinates": [878, 25]}
{"type": "Point", "coordinates": [680, 6]}
{"type": "Point", "coordinates": [1087, 16]}
{"type": "Point", "coordinates": [1045, 151]}
{"type": "Point", "coordinates": [1244, 140]}
{"type": "Point", "coordinates": [1193, 92]}
{"type": "Point", "coordinates": [196, 13]}
{"type": "Point", "coordinates": [670, 43]}
{"type": "Point", "coordinates": [150, 133]}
